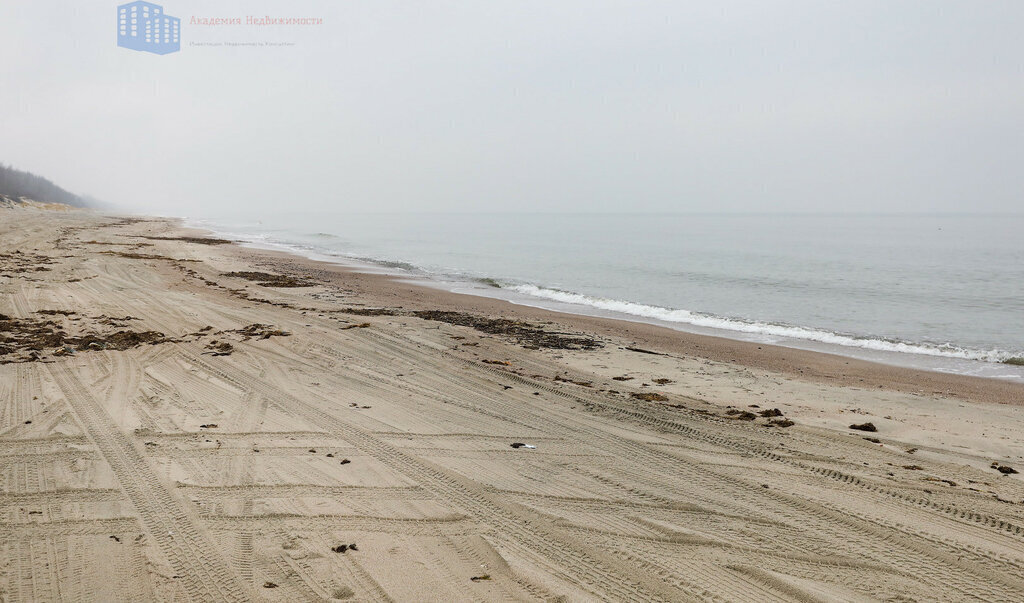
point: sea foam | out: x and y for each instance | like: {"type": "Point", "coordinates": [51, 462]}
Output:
{"type": "Point", "coordinates": [700, 319]}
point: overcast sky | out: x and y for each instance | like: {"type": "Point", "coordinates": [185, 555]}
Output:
{"type": "Point", "coordinates": [551, 105]}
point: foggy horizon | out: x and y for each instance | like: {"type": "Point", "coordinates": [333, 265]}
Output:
{"type": "Point", "coordinates": [500, 107]}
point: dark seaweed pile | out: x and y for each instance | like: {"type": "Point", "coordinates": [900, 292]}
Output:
{"type": "Point", "coordinates": [523, 332]}
{"type": "Point", "coordinates": [29, 339]}
{"type": "Point", "coordinates": [267, 279]}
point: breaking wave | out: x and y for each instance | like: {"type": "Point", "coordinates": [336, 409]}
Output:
{"type": "Point", "coordinates": [701, 319]}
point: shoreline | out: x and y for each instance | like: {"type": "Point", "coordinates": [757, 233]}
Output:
{"type": "Point", "coordinates": [812, 365]}
{"type": "Point", "coordinates": [223, 423]}
{"type": "Point", "coordinates": [925, 361]}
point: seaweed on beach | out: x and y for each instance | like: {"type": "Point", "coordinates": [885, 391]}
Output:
{"type": "Point", "coordinates": [267, 279]}
{"type": "Point", "coordinates": [28, 339]}
{"type": "Point", "coordinates": [55, 312]}
{"type": "Point", "coordinates": [145, 256]}
{"type": "Point", "coordinates": [643, 351]}
{"type": "Point", "coordinates": [127, 221]}
{"type": "Point", "coordinates": [241, 294]}
{"type": "Point", "coordinates": [524, 333]}
{"type": "Point", "coordinates": [219, 348]}
{"type": "Point", "coordinates": [18, 262]}
{"type": "Point", "coordinates": [258, 331]}
{"type": "Point", "coordinates": [360, 325]}
{"type": "Point", "coordinates": [649, 396]}
{"type": "Point", "coordinates": [199, 240]}
{"type": "Point", "coordinates": [368, 311]}
{"type": "Point", "coordinates": [1004, 469]}
{"type": "Point", "coordinates": [119, 340]}
{"type": "Point", "coordinates": [580, 383]}
{"type": "Point", "coordinates": [116, 244]}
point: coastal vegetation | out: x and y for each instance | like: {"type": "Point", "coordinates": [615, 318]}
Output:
{"type": "Point", "coordinates": [15, 184]}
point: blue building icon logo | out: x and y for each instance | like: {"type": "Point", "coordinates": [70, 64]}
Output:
{"type": "Point", "coordinates": [144, 26]}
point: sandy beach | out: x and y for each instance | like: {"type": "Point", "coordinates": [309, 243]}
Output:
{"type": "Point", "coordinates": [183, 418]}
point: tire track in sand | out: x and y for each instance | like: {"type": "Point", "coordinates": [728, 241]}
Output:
{"type": "Point", "coordinates": [203, 573]}
{"type": "Point", "coordinates": [519, 528]}
{"type": "Point", "coordinates": [927, 558]}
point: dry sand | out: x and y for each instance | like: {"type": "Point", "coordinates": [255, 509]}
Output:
{"type": "Point", "coordinates": [200, 457]}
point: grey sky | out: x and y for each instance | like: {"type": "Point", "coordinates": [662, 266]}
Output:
{"type": "Point", "coordinates": [527, 105]}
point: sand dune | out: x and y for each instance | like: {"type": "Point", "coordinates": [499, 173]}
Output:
{"type": "Point", "coordinates": [235, 434]}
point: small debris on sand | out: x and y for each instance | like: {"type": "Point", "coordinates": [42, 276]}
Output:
{"type": "Point", "coordinates": [649, 397]}
{"type": "Point", "coordinates": [345, 462]}
{"type": "Point", "coordinates": [772, 412]}
{"type": "Point", "coordinates": [781, 423]}
{"type": "Point", "coordinates": [580, 383]}
{"type": "Point", "coordinates": [662, 381]}
{"type": "Point", "coordinates": [481, 577]}
{"type": "Point", "coordinates": [269, 584]}
{"type": "Point", "coordinates": [864, 427]}
{"type": "Point", "coordinates": [208, 426]}
{"type": "Point", "coordinates": [501, 362]}
{"type": "Point", "coordinates": [643, 351]}
{"type": "Point", "coordinates": [622, 378]}
{"type": "Point", "coordinates": [873, 440]}
{"type": "Point", "coordinates": [522, 445]}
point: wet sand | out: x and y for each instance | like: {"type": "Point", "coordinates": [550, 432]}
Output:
{"type": "Point", "coordinates": [190, 428]}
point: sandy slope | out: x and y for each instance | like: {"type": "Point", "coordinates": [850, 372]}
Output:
{"type": "Point", "coordinates": [113, 489]}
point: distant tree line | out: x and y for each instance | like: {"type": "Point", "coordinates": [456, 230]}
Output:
{"type": "Point", "coordinates": [16, 183]}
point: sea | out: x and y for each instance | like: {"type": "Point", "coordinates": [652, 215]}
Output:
{"type": "Point", "coordinates": [942, 292]}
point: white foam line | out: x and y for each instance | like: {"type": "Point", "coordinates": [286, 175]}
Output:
{"type": "Point", "coordinates": [647, 311]}
{"type": "Point", "coordinates": [760, 328]}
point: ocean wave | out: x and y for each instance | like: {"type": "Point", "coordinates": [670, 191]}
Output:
{"type": "Point", "coordinates": [758, 328]}
{"type": "Point", "coordinates": [678, 316]}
